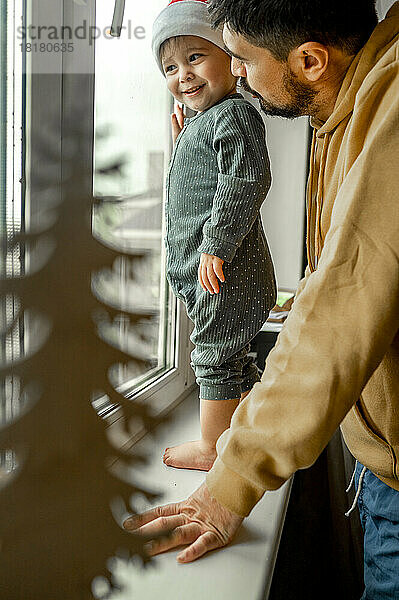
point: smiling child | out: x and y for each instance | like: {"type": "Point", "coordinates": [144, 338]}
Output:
{"type": "Point", "coordinates": [218, 260]}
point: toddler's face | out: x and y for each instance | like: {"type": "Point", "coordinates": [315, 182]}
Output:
{"type": "Point", "coordinates": [197, 72]}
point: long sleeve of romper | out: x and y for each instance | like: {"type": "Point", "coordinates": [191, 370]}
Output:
{"type": "Point", "coordinates": [243, 179]}
{"type": "Point", "coordinates": [341, 326]}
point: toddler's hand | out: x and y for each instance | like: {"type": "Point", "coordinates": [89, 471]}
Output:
{"type": "Point", "coordinates": [177, 119]}
{"type": "Point", "coordinates": [209, 271]}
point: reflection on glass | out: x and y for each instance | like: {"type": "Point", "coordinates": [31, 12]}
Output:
{"type": "Point", "coordinates": [132, 138]}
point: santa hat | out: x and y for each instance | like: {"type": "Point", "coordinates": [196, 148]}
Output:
{"type": "Point", "coordinates": [184, 17]}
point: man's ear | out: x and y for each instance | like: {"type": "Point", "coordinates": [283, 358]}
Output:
{"type": "Point", "coordinates": [309, 61]}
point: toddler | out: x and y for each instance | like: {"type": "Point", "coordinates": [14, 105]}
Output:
{"type": "Point", "coordinates": [218, 261]}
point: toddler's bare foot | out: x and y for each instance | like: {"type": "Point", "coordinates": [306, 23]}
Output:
{"type": "Point", "coordinates": [191, 455]}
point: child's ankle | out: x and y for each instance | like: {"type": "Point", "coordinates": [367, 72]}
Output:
{"type": "Point", "coordinates": [208, 444]}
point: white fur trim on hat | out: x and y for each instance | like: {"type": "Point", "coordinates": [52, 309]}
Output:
{"type": "Point", "coordinates": [187, 17]}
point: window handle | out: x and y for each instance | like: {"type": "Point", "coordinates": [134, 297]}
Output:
{"type": "Point", "coordinates": [117, 19]}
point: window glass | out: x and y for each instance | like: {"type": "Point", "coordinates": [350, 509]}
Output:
{"type": "Point", "coordinates": [131, 148]}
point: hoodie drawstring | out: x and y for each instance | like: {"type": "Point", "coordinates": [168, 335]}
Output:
{"type": "Point", "coordinates": [359, 487]}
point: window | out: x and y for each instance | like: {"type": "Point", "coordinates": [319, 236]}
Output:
{"type": "Point", "coordinates": [12, 108]}
{"type": "Point", "coordinates": [132, 144]}
{"type": "Point", "coordinates": [41, 92]}
{"type": "Point", "coordinates": [131, 137]}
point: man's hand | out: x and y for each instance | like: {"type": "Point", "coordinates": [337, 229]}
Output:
{"type": "Point", "coordinates": [209, 271]}
{"type": "Point", "coordinates": [200, 521]}
{"type": "Point", "coordinates": [177, 119]}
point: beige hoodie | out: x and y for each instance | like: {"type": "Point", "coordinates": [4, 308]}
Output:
{"type": "Point", "coordinates": [337, 357]}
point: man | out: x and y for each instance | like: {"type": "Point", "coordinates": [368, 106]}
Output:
{"type": "Point", "coordinates": [337, 359]}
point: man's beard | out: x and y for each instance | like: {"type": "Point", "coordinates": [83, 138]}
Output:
{"type": "Point", "coordinates": [301, 98]}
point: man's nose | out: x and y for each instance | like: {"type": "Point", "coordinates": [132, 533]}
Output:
{"type": "Point", "coordinates": [238, 68]}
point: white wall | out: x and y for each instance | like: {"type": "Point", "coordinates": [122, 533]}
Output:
{"type": "Point", "coordinates": [283, 212]}
{"type": "Point", "coordinates": [382, 7]}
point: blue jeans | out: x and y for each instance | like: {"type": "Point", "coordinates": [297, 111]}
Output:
{"type": "Point", "coordinates": [379, 516]}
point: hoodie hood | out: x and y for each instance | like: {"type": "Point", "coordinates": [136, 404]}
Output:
{"type": "Point", "coordinates": [383, 37]}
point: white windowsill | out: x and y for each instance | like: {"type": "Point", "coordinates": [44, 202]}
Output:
{"type": "Point", "coordinates": [235, 572]}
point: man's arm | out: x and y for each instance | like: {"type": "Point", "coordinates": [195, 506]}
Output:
{"type": "Point", "coordinates": [341, 325]}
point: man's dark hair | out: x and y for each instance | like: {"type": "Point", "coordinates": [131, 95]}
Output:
{"type": "Point", "coordinates": [282, 25]}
